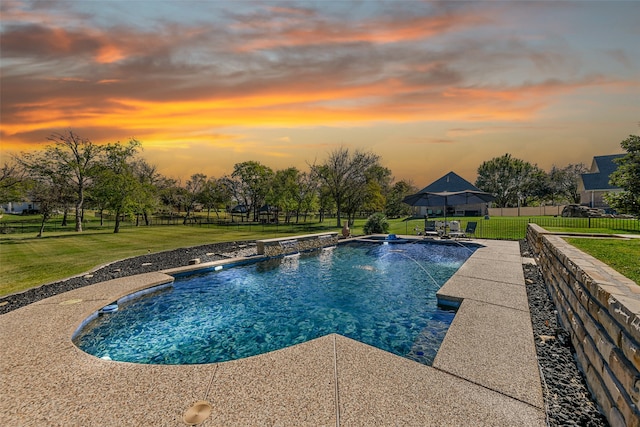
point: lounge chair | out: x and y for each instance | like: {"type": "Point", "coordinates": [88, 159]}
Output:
{"type": "Point", "coordinates": [430, 229]}
{"type": "Point", "coordinates": [470, 230]}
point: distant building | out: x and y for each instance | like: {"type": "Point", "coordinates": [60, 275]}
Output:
{"type": "Point", "coordinates": [452, 182]}
{"type": "Point", "coordinates": [595, 184]}
{"type": "Point", "coordinates": [19, 208]}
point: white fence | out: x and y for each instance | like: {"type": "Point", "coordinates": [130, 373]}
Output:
{"type": "Point", "coordinates": [527, 211]}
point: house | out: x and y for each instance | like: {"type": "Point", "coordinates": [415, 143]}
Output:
{"type": "Point", "coordinates": [595, 183]}
{"type": "Point", "coordinates": [452, 182]}
{"type": "Point", "coordinates": [18, 208]}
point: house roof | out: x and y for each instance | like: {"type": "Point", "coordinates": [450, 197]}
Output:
{"type": "Point", "coordinates": [601, 168]}
{"type": "Point", "coordinates": [239, 209]}
{"type": "Point", "coordinates": [450, 182]}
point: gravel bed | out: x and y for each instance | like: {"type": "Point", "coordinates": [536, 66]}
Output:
{"type": "Point", "coordinates": [568, 401]}
{"type": "Point", "coordinates": [129, 267]}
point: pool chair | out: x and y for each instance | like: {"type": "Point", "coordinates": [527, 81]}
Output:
{"type": "Point", "coordinates": [430, 229]}
{"type": "Point", "coordinates": [470, 230]}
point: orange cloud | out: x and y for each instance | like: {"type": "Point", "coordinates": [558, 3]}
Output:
{"type": "Point", "coordinates": [393, 102]}
{"type": "Point", "coordinates": [229, 82]}
{"type": "Point", "coordinates": [109, 53]}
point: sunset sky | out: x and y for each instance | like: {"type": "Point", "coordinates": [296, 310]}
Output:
{"type": "Point", "coordinates": [430, 87]}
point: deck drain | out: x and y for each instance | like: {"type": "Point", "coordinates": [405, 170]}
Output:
{"type": "Point", "coordinates": [71, 301]}
{"type": "Point", "coordinates": [197, 413]}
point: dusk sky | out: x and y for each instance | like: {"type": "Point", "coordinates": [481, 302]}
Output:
{"type": "Point", "coordinates": [431, 87]}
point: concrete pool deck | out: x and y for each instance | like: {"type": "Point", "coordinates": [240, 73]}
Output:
{"type": "Point", "coordinates": [486, 372]}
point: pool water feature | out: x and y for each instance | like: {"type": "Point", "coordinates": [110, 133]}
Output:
{"type": "Point", "coordinates": [381, 295]}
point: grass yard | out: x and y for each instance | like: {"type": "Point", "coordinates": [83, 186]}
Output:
{"type": "Point", "coordinates": [26, 261]}
{"type": "Point", "coordinates": [590, 230]}
{"type": "Point", "coordinates": [621, 255]}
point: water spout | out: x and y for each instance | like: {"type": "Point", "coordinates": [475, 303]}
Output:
{"type": "Point", "coordinates": [414, 260]}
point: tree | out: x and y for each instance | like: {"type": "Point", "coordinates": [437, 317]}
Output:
{"type": "Point", "coordinates": [12, 179]}
{"type": "Point", "coordinates": [250, 185]}
{"type": "Point", "coordinates": [43, 190]}
{"type": "Point", "coordinates": [627, 177]}
{"type": "Point", "coordinates": [169, 193]}
{"type": "Point", "coordinates": [150, 180]}
{"type": "Point", "coordinates": [373, 199]}
{"type": "Point", "coordinates": [284, 190]}
{"type": "Point", "coordinates": [116, 185]}
{"type": "Point", "coordinates": [394, 207]}
{"type": "Point", "coordinates": [42, 183]}
{"type": "Point", "coordinates": [306, 195]}
{"type": "Point", "coordinates": [326, 203]}
{"type": "Point", "coordinates": [74, 160]}
{"type": "Point", "coordinates": [512, 181]}
{"type": "Point", "coordinates": [214, 195]}
{"type": "Point", "coordinates": [344, 176]}
{"type": "Point", "coordinates": [563, 182]}
{"type": "Point", "coordinates": [378, 187]}
{"type": "Point", "coordinates": [535, 186]}
{"type": "Point", "coordinates": [194, 187]}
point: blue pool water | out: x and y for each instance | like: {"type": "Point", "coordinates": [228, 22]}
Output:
{"type": "Point", "coordinates": [380, 294]}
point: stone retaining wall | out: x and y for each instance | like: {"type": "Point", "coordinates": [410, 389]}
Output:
{"type": "Point", "coordinates": [290, 245]}
{"type": "Point", "coordinates": [600, 309]}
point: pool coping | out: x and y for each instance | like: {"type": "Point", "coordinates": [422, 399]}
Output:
{"type": "Point", "coordinates": [486, 371]}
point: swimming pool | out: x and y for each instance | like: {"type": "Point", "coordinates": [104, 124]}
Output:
{"type": "Point", "coordinates": [382, 295]}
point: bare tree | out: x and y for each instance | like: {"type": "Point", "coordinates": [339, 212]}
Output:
{"type": "Point", "coordinates": [345, 175]}
{"type": "Point", "coordinates": [72, 159]}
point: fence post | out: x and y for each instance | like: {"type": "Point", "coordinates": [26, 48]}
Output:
{"type": "Point", "coordinates": [589, 222]}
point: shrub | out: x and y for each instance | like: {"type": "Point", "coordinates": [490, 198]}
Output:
{"type": "Point", "coordinates": [376, 223]}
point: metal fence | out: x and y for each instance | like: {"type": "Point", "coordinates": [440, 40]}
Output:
{"type": "Point", "coordinates": [516, 228]}
{"type": "Point", "coordinates": [512, 228]}
{"type": "Point", "coordinates": [620, 224]}
{"type": "Point", "coordinates": [53, 226]}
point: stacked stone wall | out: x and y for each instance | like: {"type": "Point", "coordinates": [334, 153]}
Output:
{"type": "Point", "coordinates": [290, 245]}
{"type": "Point", "coordinates": [600, 309]}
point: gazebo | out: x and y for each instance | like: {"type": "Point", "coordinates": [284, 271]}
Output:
{"type": "Point", "coordinates": [451, 182]}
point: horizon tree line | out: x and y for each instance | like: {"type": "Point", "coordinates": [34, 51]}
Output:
{"type": "Point", "coordinates": [73, 173]}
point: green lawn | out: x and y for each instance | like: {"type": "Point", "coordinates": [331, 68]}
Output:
{"type": "Point", "coordinates": [591, 230]}
{"type": "Point", "coordinates": [621, 255]}
{"type": "Point", "coordinates": [26, 261]}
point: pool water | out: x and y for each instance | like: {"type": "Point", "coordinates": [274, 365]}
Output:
{"type": "Point", "coordinates": [380, 294]}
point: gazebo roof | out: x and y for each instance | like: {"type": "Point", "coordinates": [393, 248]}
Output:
{"type": "Point", "coordinates": [450, 182]}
